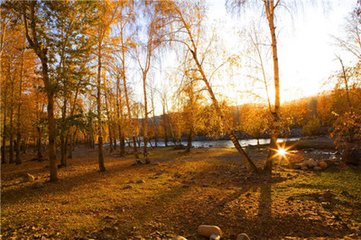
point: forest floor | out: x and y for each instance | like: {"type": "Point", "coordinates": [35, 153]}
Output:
{"type": "Point", "coordinates": [175, 193]}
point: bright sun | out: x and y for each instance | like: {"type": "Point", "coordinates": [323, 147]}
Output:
{"type": "Point", "coordinates": [282, 152]}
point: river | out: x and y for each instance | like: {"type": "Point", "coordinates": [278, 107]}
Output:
{"type": "Point", "coordinates": [222, 143]}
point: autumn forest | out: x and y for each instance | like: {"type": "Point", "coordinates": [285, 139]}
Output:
{"type": "Point", "coordinates": [134, 119]}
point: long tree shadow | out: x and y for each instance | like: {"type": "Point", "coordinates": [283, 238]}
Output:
{"type": "Point", "coordinates": [64, 185]}
{"type": "Point", "coordinates": [267, 225]}
{"type": "Point", "coordinates": [87, 177]}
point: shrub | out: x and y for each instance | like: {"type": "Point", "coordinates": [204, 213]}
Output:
{"type": "Point", "coordinates": [312, 127]}
{"type": "Point", "coordinates": [347, 131]}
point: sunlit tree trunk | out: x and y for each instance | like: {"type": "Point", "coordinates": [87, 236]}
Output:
{"type": "Point", "coordinates": [120, 118]}
{"type": "Point", "coordinates": [164, 123]}
{"type": "Point", "coordinates": [99, 114]}
{"type": "Point", "coordinates": [155, 128]}
{"type": "Point", "coordinates": [127, 102]}
{"type": "Point", "coordinates": [192, 47]}
{"type": "Point", "coordinates": [232, 134]}
{"type": "Point", "coordinates": [145, 123]}
{"type": "Point", "coordinates": [269, 9]}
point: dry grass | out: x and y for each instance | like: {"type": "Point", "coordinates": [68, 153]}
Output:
{"type": "Point", "coordinates": [179, 192]}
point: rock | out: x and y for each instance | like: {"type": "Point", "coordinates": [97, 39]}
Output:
{"type": "Point", "coordinates": [243, 236]}
{"type": "Point", "coordinates": [179, 238]}
{"type": "Point", "coordinates": [317, 168]}
{"type": "Point", "coordinates": [38, 185]}
{"type": "Point", "coordinates": [311, 163]}
{"type": "Point", "coordinates": [29, 178]}
{"type": "Point", "coordinates": [208, 230]}
{"type": "Point", "coordinates": [140, 181]}
{"type": "Point", "coordinates": [322, 164]}
{"type": "Point", "coordinates": [214, 237]}
{"type": "Point", "coordinates": [128, 187]}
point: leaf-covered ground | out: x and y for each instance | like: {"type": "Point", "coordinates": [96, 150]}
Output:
{"type": "Point", "coordinates": [176, 193]}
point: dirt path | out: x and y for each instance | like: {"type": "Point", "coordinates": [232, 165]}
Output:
{"type": "Point", "coordinates": [176, 193]}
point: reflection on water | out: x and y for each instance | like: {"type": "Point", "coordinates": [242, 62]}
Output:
{"type": "Point", "coordinates": [222, 143]}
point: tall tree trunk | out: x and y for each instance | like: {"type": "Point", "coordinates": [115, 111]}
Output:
{"type": "Point", "coordinates": [100, 130]}
{"type": "Point", "coordinates": [18, 121]}
{"type": "Point", "coordinates": [38, 145]}
{"type": "Point", "coordinates": [127, 102]}
{"type": "Point", "coordinates": [115, 142]}
{"type": "Point", "coordinates": [135, 149]}
{"type": "Point", "coordinates": [3, 144]}
{"type": "Point", "coordinates": [63, 135]}
{"type": "Point", "coordinates": [345, 79]}
{"type": "Point", "coordinates": [52, 136]}
{"type": "Point", "coordinates": [71, 143]}
{"type": "Point", "coordinates": [41, 51]}
{"type": "Point", "coordinates": [70, 146]}
{"type": "Point", "coordinates": [110, 129]}
{"type": "Point", "coordinates": [276, 113]}
{"type": "Point", "coordinates": [120, 119]}
{"type": "Point", "coordinates": [145, 124]}
{"type": "Point", "coordinates": [165, 129]}
{"type": "Point", "coordinates": [232, 134]}
{"type": "Point", "coordinates": [11, 125]}
{"type": "Point", "coordinates": [69, 139]}
{"type": "Point", "coordinates": [155, 127]}
{"type": "Point", "coordinates": [189, 139]}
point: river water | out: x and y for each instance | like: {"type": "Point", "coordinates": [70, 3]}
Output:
{"type": "Point", "coordinates": [223, 143]}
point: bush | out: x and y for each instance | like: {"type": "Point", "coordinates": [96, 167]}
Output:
{"type": "Point", "coordinates": [347, 131]}
{"type": "Point", "coordinates": [312, 127]}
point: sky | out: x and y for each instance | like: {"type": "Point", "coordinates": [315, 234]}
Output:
{"type": "Point", "coordinates": [306, 46]}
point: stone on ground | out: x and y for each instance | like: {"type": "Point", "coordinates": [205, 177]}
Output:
{"type": "Point", "coordinates": [179, 238]}
{"type": "Point", "coordinates": [140, 181]}
{"type": "Point", "coordinates": [29, 178]}
{"type": "Point", "coordinates": [322, 164]}
{"type": "Point", "coordinates": [208, 230]}
{"type": "Point", "coordinates": [311, 163]}
{"type": "Point", "coordinates": [214, 237]}
{"type": "Point", "coordinates": [242, 236]}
